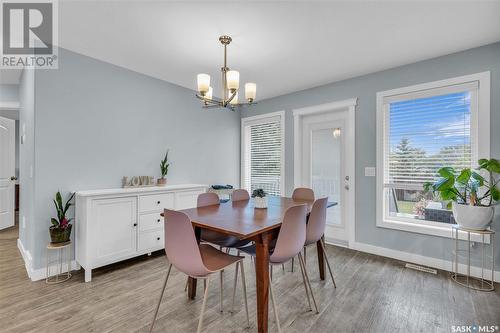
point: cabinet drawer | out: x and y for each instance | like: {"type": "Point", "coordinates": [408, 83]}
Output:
{"type": "Point", "coordinates": [156, 202]}
{"type": "Point", "coordinates": [151, 240]}
{"type": "Point", "coordinates": [187, 199]}
{"type": "Point", "coordinates": [151, 221]}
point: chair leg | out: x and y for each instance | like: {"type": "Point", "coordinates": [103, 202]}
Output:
{"type": "Point", "coordinates": [271, 271]}
{"type": "Point", "coordinates": [328, 263]}
{"type": "Point", "coordinates": [308, 282]}
{"type": "Point", "coordinates": [221, 289]}
{"type": "Point", "coordinates": [292, 263]}
{"type": "Point", "coordinates": [305, 285]}
{"type": "Point", "coordinates": [161, 296]}
{"type": "Point", "coordinates": [187, 283]}
{"type": "Point", "coordinates": [244, 291]}
{"type": "Point", "coordinates": [275, 308]}
{"type": "Point", "coordinates": [234, 285]}
{"type": "Point", "coordinates": [205, 296]}
{"type": "Point", "coordinates": [305, 256]}
{"type": "Point", "coordinates": [283, 267]}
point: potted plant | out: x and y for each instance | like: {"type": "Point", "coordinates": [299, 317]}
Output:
{"type": "Point", "coordinates": [164, 170]}
{"type": "Point", "coordinates": [260, 198]}
{"type": "Point", "coordinates": [60, 230]}
{"type": "Point", "coordinates": [469, 194]}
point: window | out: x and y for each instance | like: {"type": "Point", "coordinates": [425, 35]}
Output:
{"type": "Point", "coordinates": [262, 153]}
{"type": "Point", "coordinates": [421, 129]}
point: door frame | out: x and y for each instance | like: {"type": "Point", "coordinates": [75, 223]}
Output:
{"type": "Point", "coordinates": [11, 150]}
{"type": "Point", "coordinates": [348, 105]}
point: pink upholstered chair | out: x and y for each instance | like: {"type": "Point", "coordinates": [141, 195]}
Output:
{"type": "Point", "coordinates": [239, 195]}
{"type": "Point", "coordinates": [303, 193]}
{"type": "Point", "coordinates": [197, 261]}
{"type": "Point", "coordinates": [316, 228]}
{"type": "Point", "coordinates": [291, 240]}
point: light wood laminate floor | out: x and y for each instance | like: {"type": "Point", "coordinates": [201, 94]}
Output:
{"type": "Point", "coordinates": [373, 294]}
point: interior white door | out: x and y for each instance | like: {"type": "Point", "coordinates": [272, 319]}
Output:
{"type": "Point", "coordinates": [324, 167]}
{"type": "Point", "coordinates": [7, 172]}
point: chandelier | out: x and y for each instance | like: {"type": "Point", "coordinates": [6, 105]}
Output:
{"type": "Point", "coordinates": [230, 86]}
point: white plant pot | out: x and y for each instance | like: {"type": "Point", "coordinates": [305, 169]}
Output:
{"type": "Point", "coordinates": [472, 217]}
{"type": "Point", "coordinates": [260, 202]}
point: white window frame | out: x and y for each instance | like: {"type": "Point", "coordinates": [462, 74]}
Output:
{"type": "Point", "coordinates": [480, 129]}
{"type": "Point", "coordinates": [253, 120]}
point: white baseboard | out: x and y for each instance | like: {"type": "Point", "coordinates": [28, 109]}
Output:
{"type": "Point", "coordinates": [441, 264]}
{"type": "Point", "coordinates": [39, 273]}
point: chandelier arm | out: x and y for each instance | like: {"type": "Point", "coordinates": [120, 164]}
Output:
{"type": "Point", "coordinates": [211, 101]}
{"type": "Point", "coordinates": [231, 97]}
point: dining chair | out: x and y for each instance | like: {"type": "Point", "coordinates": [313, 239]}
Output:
{"type": "Point", "coordinates": [316, 228]}
{"type": "Point", "coordinates": [302, 193]}
{"type": "Point", "coordinates": [290, 241]}
{"type": "Point", "coordinates": [240, 195]}
{"type": "Point", "coordinates": [198, 261]}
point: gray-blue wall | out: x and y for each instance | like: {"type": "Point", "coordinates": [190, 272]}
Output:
{"type": "Point", "coordinates": [486, 58]}
{"type": "Point", "coordinates": [96, 122]}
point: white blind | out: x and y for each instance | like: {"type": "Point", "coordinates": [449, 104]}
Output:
{"type": "Point", "coordinates": [426, 131]}
{"type": "Point", "coordinates": [263, 155]}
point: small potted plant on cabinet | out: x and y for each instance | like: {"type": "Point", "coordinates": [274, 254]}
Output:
{"type": "Point", "coordinates": [164, 170]}
{"type": "Point", "coordinates": [470, 195]}
{"type": "Point", "coordinates": [260, 198]}
{"type": "Point", "coordinates": [60, 230]}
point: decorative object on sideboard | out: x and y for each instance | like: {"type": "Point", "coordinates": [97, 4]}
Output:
{"type": "Point", "coordinates": [470, 194]}
{"type": "Point", "coordinates": [230, 86]}
{"type": "Point", "coordinates": [60, 230]}
{"type": "Point", "coordinates": [260, 199]}
{"type": "Point", "coordinates": [164, 170]}
{"type": "Point", "coordinates": [138, 181]}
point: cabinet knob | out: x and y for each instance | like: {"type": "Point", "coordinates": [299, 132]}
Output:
{"type": "Point", "coordinates": [159, 220]}
{"type": "Point", "coordinates": [158, 202]}
{"type": "Point", "coordinates": [158, 238]}
{"type": "Point", "coordinates": [135, 224]}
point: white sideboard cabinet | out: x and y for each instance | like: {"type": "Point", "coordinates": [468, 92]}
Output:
{"type": "Point", "coordinates": [117, 224]}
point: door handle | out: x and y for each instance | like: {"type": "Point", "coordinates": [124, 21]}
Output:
{"type": "Point", "coordinates": [13, 178]}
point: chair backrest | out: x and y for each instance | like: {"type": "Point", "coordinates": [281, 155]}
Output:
{"type": "Point", "coordinates": [317, 221]}
{"type": "Point", "coordinates": [239, 195]}
{"type": "Point", "coordinates": [303, 193]}
{"type": "Point", "coordinates": [207, 199]}
{"type": "Point", "coordinates": [181, 246]}
{"type": "Point", "coordinates": [292, 234]}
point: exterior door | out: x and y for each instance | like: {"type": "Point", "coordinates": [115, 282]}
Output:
{"type": "Point", "coordinates": [7, 172]}
{"type": "Point", "coordinates": [324, 167]}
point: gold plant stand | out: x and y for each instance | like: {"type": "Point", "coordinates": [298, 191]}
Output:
{"type": "Point", "coordinates": [487, 260]}
{"type": "Point", "coordinates": [61, 249]}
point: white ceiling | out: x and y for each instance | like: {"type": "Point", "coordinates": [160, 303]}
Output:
{"type": "Point", "coordinates": [282, 46]}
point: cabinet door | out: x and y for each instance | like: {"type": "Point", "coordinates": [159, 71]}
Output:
{"type": "Point", "coordinates": [187, 199]}
{"type": "Point", "coordinates": [114, 228]}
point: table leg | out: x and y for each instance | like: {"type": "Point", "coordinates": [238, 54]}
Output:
{"type": "Point", "coordinates": [262, 280]}
{"type": "Point", "coordinates": [191, 281]}
{"type": "Point", "coordinates": [321, 258]}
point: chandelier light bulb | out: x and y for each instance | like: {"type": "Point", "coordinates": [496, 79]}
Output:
{"type": "Point", "coordinates": [250, 91]}
{"type": "Point", "coordinates": [208, 94]}
{"type": "Point", "coordinates": [233, 80]}
{"type": "Point", "coordinates": [203, 83]}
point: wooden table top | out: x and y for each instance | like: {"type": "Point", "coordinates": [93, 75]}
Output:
{"type": "Point", "coordinates": [241, 218]}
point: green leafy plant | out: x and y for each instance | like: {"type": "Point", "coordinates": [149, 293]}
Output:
{"type": "Point", "coordinates": [61, 221]}
{"type": "Point", "coordinates": [164, 165]}
{"type": "Point", "coordinates": [468, 186]}
{"type": "Point", "coordinates": [259, 193]}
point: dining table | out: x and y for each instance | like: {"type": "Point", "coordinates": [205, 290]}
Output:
{"type": "Point", "coordinates": [260, 225]}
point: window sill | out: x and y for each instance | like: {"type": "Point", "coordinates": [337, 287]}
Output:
{"type": "Point", "coordinates": [426, 229]}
